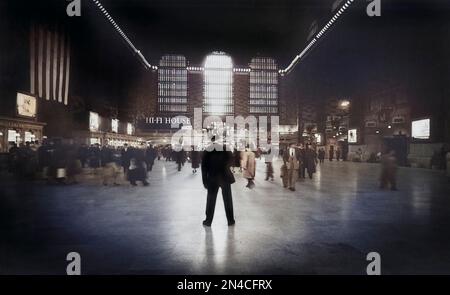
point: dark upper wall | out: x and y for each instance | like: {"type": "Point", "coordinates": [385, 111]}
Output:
{"type": "Point", "coordinates": [14, 68]}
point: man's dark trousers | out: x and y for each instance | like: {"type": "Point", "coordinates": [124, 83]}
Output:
{"type": "Point", "coordinates": [213, 189]}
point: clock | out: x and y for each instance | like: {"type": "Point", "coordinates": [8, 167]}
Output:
{"type": "Point", "coordinates": [26, 105]}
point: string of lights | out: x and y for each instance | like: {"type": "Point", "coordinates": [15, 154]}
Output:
{"type": "Point", "coordinates": [141, 57]}
{"type": "Point", "coordinates": [319, 35]}
{"type": "Point", "coordinates": [293, 63]}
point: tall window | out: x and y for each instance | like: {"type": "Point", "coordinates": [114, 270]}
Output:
{"type": "Point", "coordinates": [263, 86]}
{"type": "Point", "coordinates": [218, 74]}
{"type": "Point", "coordinates": [172, 84]}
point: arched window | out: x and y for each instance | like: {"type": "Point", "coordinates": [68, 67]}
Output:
{"type": "Point", "coordinates": [218, 91]}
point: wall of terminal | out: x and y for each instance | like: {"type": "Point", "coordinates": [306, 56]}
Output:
{"type": "Point", "coordinates": [166, 92]}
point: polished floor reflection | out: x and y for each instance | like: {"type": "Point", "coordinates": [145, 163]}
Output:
{"type": "Point", "coordinates": [326, 227]}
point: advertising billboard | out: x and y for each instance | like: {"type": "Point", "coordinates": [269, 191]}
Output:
{"type": "Point", "coordinates": [420, 129]}
{"type": "Point", "coordinates": [352, 136]}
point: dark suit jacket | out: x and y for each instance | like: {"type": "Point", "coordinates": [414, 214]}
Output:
{"type": "Point", "coordinates": [216, 168]}
{"type": "Point", "coordinates": [126, 157]}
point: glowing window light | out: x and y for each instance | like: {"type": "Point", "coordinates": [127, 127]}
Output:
{"type": "Point", "coordinates": [115, 125]}
{"type": "Point", "coordinates": [172, 83]}
{"type": "Point", "coordinates": [345, 103]}
{"type": "Point", "coordinates": [218, 79]}
{"type": "Point", "coordinates": [263, 85]}
{"type": "Point", "coordinates": [94, 121]}
{"type": "Point", "coordinates": [129, 128]}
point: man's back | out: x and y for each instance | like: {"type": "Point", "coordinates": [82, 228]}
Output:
{"type": "Point", "coordinates": [216, 167]}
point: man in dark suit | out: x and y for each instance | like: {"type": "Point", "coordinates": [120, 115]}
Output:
{"type": "Point", "coordinates": [216, 174]}
{"type": "Point", "coordinates": [126, 158]}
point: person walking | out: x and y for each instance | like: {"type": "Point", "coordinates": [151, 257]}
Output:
{"type": "Point", "coordinates": [310, 161]}
{"type": "Point", "coordinates": [388, 177]}
{"type": "Point", "coordinates": [159, 153]}
{"type": "Point", "coordinates": [359, 155]}
{"type": "Point", "coordinates": [13, 158]}
{"type": "Point", "coordinates": [293, 165]}
{"type": "Point", "coordinates": [179, 159]}
{"type": "Point", "coordinates": [345, 152]}
{"type": "Point", "coordinates": [302, 158]}
{"type": "Point", "coordinates": [150, 156]}
{"type": "Point", "coordinates": [83, 154]}
{"type": "Point", "coordinates": [126, 154]}
{"type": "Point", "coordinates": [269, 166]}
{"type": "Point", "coordinates": [94, 156]}
{"type": "Point", "coordinates": [284, 174]}
{"type": "Point", "coordinates": [195, 160]}
{"type": "Point", "coordinates": [331, 153]}
{"type": "Point", "coordinates": [137, 170]}
{"type": "Point", "coordinates": [321, 155]}
{"type": "Point", "coordinates": [338, 154]}
{"type": "Point", "coordinates": [236, 160]}
{"type": "Point", "coordinates": [216, 174]}
{"type": "Point", "coordinates": [74, 166]}
{"type": "Point", "coordinates": [44, 159]}
{"type": "Point", "coordinates": [249, 167]}
{"type": "Point", "coordinates": [109, 167]}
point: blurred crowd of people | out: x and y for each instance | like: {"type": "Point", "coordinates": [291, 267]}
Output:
{"type": "Point", "coordinates": [57, 162]}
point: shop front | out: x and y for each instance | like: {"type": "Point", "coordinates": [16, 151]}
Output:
{"type": "Point", "coordinates": [106, 138]}
{"type": "Point", "coordinates": [106, 131]}
{"type": "Point", "coordinates": [19, 131]}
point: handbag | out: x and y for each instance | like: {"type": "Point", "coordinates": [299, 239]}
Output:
{"type": "Point", "coordinates": [229, 176]}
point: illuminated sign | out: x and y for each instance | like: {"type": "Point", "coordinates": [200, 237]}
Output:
{"type": "Point", "coordinates": [155, 123]}
{"type": "Point", "coordinates": [13, 135]}
{"type": "Point", "coordinates": [115, 125]}
{"type": "Point", "coordinates": [287, 129]}
{"type": "Point", "coordinates": [352, 136]}
{"type": "Point", "coordinates": [26, 105]}
{"type": "Point", "coordinates": [318, 138]}
{"type": "Point", "coordinates": [94, 121]}
{"type": "Point", "coordinates": [420, 129]}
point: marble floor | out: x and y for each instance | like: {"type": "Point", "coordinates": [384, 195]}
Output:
{"type": "Point", "coordinates": [326, 227]}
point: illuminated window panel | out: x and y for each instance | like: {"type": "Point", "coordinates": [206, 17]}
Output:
{"type": "Point", "coordinates": [172, 84]}
{"type": "Point", "coordinates": [218, 86]}
{"type": "Point", "coordinates": [263, 86]}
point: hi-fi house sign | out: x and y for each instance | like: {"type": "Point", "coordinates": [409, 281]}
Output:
{"type": "Point", "coordinates": [160, 122]}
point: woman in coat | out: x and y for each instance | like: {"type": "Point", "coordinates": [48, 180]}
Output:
{"type": "Point", "coordinates": [249, 167]}
{"type": "Point", "coordinates": [310, 161]}
{"type": "Point", "coordinates": [195, 159]}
